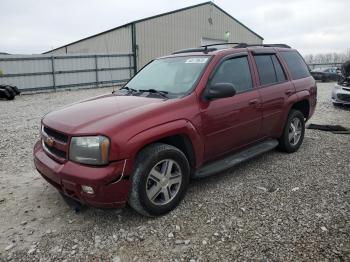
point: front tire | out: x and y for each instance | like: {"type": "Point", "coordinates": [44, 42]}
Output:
{"type": "Point", "coordinates": [159, 181]}
{"type": "Point", "coordinates": [293, 133]}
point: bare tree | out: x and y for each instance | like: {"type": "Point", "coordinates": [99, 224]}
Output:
{"type": "Point", "coordinates": [328, 58]}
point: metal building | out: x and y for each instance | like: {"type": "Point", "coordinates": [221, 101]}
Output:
{"type": "Point", "coordinates": [162, 34]}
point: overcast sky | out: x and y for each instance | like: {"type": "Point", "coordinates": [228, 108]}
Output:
{"type": "Point", "coordinates": [35, 26]}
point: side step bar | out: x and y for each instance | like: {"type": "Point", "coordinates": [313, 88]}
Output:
{"type": "Point", "coordinates": [235, 159]}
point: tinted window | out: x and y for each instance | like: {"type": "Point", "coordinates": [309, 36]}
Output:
{"type": "Point", "coordinates": [235, 71]}
{"type": "Point", "coordinates": [270, 69]}
{"type": "Point", "coordinates": [281, 76]}
{"type": "Point", "coordinates": [266, 69]}
{"type": "Point", "coordinates": [296, 64]}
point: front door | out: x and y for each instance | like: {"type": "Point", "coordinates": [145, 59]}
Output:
{"type": "Point", "coordinates": [233, 122]}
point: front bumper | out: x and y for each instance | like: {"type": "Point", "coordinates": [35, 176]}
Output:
{"type": "Point", "coordinates": [341, 95]}
{"type": "Point", "coordinates": [110, 183]}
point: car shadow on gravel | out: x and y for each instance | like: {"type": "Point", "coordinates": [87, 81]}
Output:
{"type": "Point", "coordinates": [231, 173]}
{"type": "Point", "coordinates": [201, 186]}
{"type": "Point", "coordinates": [343, 107]}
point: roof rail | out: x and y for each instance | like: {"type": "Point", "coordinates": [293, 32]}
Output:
{"type": "Point", "coordinates": [209, 48]}
{"type": "Point", "coordinates": [243, 45]}
{"type": "Point", "coordinates": [204, 48]}
{"type": "Point", "coordinates": [198, 49]}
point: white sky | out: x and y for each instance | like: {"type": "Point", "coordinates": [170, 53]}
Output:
{"type": "Point", "coordinates": [35, 26]}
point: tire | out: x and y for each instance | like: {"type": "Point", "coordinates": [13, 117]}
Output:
{"type": "Point", "coordinates": [15, 89]}
{"type": "Point", "coordinates": [7, 93]}
{"type": "Point", "coordinates": [4, 93]}
{"type": "Point", "coordinates": [11, 92]}
{"type": "Point", "coordinates": [157, 158]}
{"type": "Point", "coordinates": [286, 143]}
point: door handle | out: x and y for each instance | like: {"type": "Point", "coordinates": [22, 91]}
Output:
{"type": "Point", "coordinates": [253, 102]}
{"type": "Point", "coordinates": [289, 92]}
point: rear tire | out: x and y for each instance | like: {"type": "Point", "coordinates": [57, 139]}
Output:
{"type": "Point", "coordinates": [293, 133]}
{"type": "Point", "coordinates": [159, 181]}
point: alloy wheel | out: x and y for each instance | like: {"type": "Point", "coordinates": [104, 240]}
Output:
{"type": "Point", "coordinates": [163, 182]}
{"type": "Point", "coordinates": [295, 130]}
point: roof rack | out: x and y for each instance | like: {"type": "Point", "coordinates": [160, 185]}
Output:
{"type": "Point", "coordinates": [204, 48]}
{"type": "Point", "coordinates": [198, 49]}
{"type": "Point", "coordinates": [209, 48]}
{"type": "Point", "coordinates": [243, 45]}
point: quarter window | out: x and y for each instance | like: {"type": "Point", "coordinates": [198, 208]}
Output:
{"type": "Point", "coordinates": [270, 69]}
{"type": "Point", "coordinates": [235, 71]}
{"type": "Point", "coordinates": [296, 64]}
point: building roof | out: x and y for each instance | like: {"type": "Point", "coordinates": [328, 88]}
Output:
{"type": "Point", "coordinates": [155, 16]}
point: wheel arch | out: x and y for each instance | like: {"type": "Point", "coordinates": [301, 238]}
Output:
{"type": "Point", "coordinates": [180, 134]}
{"type": "Point", "coordinates": [303, 106]}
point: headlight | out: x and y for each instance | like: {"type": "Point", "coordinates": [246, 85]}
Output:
{"type": "Point", "coordinates": [92, 150]}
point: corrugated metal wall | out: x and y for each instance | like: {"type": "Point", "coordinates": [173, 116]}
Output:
{"type": "Point", "coordinates": [34, 72]}
{"type": "Point", "coordinates": [165, 34]}
{"type": "Point", "coordinates": [115, 41]}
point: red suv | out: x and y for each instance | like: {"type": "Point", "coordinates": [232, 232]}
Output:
{"type": "Point", "coordinates": [188, 115]}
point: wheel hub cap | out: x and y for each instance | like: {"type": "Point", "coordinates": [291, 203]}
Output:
{"type": "Point", "coordinates": [295, 130]}
{"type": "Point", "coordinates": [163, 182]}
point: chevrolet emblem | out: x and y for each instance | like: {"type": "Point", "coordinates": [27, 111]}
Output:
{"type": "Point", "coordinates": [49, 141]}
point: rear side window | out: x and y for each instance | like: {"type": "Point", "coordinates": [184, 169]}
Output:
{"type": "Point", "coordinates": [235, 71]}
{"type": "Point", "coordinates": [269, 68]}
{"type": "Point", "coordinates": [296, 64]}
{"type": "Point", "coordinates": [281, 76]}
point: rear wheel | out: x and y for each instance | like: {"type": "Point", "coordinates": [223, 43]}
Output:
{"type": "Point", "coordinates": [160, 180]}
{"type": "Point", "coordinates": [293, 133]}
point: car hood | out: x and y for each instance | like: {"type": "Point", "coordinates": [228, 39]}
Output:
{"type": "Point", "coordinates": [87, 116]}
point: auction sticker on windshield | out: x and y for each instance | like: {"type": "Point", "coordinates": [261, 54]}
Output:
{"type": "Point", "coordinates": [197, 60]}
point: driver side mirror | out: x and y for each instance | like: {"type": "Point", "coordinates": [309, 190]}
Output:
{"type": "Point", "coordinates": [219, 90]}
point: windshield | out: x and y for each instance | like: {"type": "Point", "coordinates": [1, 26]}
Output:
{"type": "Point", "coordinates": [174, 75]}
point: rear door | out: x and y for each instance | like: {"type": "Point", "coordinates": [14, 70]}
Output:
{"type": "Point", "coordinates": [274, 89]}
{"type": "Point", "coordinates": [230, 123]}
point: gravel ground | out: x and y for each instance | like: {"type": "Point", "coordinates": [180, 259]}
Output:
{"type": "Point", "coordinates": [277, 207]}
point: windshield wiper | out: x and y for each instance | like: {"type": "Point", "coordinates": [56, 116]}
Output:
{"type": "Point", "coordinates": [131, 90]}
{"type": "Point", "coordinates": [155, 91]}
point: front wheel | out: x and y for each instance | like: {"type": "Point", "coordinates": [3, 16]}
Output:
{"type": "Point", "coordinates": [293, 133]}
{"type": "Point", "coordinates": [159, 181]}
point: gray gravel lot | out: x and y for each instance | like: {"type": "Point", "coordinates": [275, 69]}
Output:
{"type": "Point", "coordinates": [277, 207]}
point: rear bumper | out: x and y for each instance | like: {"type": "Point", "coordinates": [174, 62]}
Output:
{"type": "Point", "coordinates": [109, 183]}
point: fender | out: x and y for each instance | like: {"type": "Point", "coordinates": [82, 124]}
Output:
{"type": "Point", "coordinates": [303, 95]}
{"type": "Point", "coordinates": [178, 127]}
{"type": "Point", "coordinates": [293, 99]}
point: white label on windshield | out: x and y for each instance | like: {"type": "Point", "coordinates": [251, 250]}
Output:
{"type": "Point", "coordinates": [197, 60]}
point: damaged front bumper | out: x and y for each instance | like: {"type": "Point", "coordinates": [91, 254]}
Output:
{"type": "Point", "coordinates": [341, 95]}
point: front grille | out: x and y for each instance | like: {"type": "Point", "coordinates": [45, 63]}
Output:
{"type": "Point", "coordinates": [56, 135]}
{"type": "Point", "coordinates": [346, 89]}
{"type": "Point", "coordinates": [55, 151]}
{"type": "Point", "coordinates": [344, 97]}
{"type": "Point", "coordinates": [55, 144]}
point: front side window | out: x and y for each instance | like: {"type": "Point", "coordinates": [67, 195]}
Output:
{"type": "Point", "coordinates": [235, 71]}
{"type": "Point", "coordinates": [296, 64]}
{"type": "Point", "coordinates": [174, 75]}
